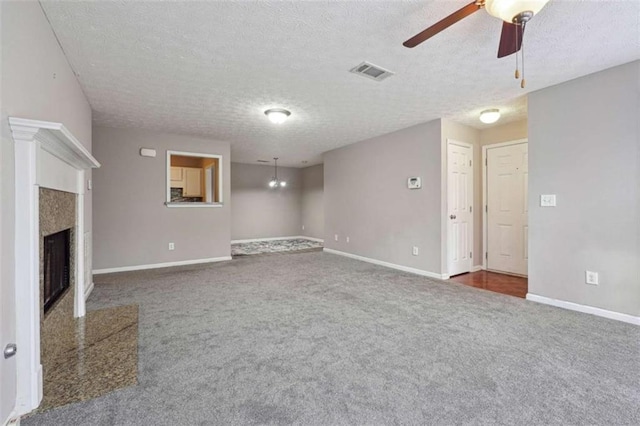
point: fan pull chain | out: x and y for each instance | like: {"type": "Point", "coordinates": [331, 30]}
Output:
{"type": "Point", "coordinates": [517, 74]}
{"type": "Point", "coordinates": [522, 83]}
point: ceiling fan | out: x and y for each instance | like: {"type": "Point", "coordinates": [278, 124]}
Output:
{"type": "Point", "coordinates": [514, 13]}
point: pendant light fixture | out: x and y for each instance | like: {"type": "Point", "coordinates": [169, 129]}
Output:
{"type": "Point", "coordinates": [275, 182]}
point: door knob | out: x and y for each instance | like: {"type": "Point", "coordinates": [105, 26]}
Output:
{"type": "Point", "coordinates": [10, 350]}
{"type": "Point", "coordinates": [453, 216]}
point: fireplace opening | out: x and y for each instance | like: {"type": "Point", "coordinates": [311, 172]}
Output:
{"type": "Point", "coordinates": [56, 266]}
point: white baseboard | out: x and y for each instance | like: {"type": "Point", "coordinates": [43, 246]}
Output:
{"type": "Point", "coordinates": [255, 240]}
{"type": "Point", "coordinates": [476, 268]}
{"type": "Point", "coordinates": [585, 309]}
{"type": "Point", "coordinates": [160, 265]}
{"type": "Point", "coordinates": [388, 264]}
{"type": "Point", "coordinates": [292, 237]}
{"type": "Point", "coordinates": [318, 240]}
{"type": "Point", "coordinates": [88, 290]}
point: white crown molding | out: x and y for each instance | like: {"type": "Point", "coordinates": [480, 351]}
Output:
{"type": "Point", "coordinates": [584, 309]}
{"type": "Point", "coordinates": [160, 265]}
{"type": "Point", "coordinates": [389, 265]}
{"type": "Point", "coordinates": [55, 139]}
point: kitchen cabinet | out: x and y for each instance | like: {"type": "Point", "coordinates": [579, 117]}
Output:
{"type": "Point", "coordinates": [177, 177]}
{"type": "Point", "coordinates": [189, 179]}
{"type": "Point", "coordinates": [193, 182]}
{"type": "Point", "coordinates": [176, 174]}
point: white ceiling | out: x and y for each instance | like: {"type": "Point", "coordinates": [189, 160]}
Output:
{"type": "Point", "coordinates": [212, 68]}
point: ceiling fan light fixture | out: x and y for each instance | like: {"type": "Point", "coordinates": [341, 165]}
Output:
{"type": "Point", "coordinates": [514, 11]}
{"type": "Point", "coordinates": [277, 115]}
{"type": "Point", "coordinates": [489, 116]}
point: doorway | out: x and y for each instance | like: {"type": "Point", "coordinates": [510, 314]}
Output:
{"type": "Point", "coordinates": [505, 200]}
{"type": "Point", "coordinates": [459, 207]}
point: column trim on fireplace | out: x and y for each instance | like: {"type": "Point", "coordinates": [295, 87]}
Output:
{"type": "Point", "coordinates": [31, 137]}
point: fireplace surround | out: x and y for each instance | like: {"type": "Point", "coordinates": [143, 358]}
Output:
{"type": "Point", "coordinates": [48, 160]}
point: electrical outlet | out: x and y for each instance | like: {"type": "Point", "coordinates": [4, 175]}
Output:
{"type": "Point", "coordinates": [591, 277]}
{"type": "Point", "coordinates": [548, 200]}
{"type": "Point", "coordinates": [415, 251]}
{"type": "Point", "coordinates": [347, 239]}
{"type": "Point", "coordinates": [335, 237]}
{"type": "Point", "coordinates": [303, 227]}
{"type": "Point", "coordinates": [172, 246]}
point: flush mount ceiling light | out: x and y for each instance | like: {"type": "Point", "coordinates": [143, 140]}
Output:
{"type": "Point", "coordinates": [275, 182]}
{"type": "Point", "coordinates": [489, 116]}
{"type": "Point", "coordinates": [277, 115]}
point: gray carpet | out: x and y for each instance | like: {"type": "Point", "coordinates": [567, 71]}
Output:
{"type": "Point", "coordinates": [317, 339]}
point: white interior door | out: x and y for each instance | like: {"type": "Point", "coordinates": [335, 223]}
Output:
{"type": "Point", "coordinates": [7, 337]}
{"type": "Point", "coordinates": [507, 208]}
{"type": "Point", "coordinates": [460, 201]}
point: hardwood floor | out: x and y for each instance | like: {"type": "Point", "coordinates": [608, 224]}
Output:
{"type": "Point", "coordinates": [492, 281]}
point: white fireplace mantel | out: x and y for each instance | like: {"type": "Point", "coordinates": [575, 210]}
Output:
{"type": "Point", "coordinates": [46, 155]}
{"type": "Point", "coordinates": [55, 139]}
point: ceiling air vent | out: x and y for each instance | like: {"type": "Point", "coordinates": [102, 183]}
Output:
{"type": "Point", "coordinates": [371, 71]}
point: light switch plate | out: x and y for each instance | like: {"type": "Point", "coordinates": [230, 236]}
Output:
{"type": "Point", "coordinates": [548, 200]}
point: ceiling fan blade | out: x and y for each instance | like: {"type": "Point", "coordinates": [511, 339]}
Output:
{"type": "Point", "coordinates": [510, 39]}
{"type": "Point", "coordinates": [443, 24]}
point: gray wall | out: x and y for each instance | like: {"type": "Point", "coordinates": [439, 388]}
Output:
{"type": "Point", "coordinates": [312, 201]}
{"type": "Point", "coordinates": [584, 146]}
{"type": "Point", "coordinates": [262, 212]}
{"type": "Point", "coordinates": [366, 197]}
{"type": "Point", "coordinates": [132, 226]}
{"type": "Point", "coordinates": [38, 83]}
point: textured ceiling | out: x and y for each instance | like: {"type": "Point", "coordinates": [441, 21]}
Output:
{"type": "Point", "coordinates": [212, 68]}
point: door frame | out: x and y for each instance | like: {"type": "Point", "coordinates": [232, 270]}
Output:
{"type": "Point", "coordinates": [485, 232]}
{"type": "Point", "coordinates": [446, 206]}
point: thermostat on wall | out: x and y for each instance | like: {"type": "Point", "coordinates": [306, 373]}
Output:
{"type": "Point", "coordinates": [414, 183]}
{"type": "Point", "coordinates": [147, 152]}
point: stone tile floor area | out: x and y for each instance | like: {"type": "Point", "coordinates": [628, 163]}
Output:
{"type": "Point", "coordinates": [93, 355]}
{"type": "Point", "coordinates": [273, 246]}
